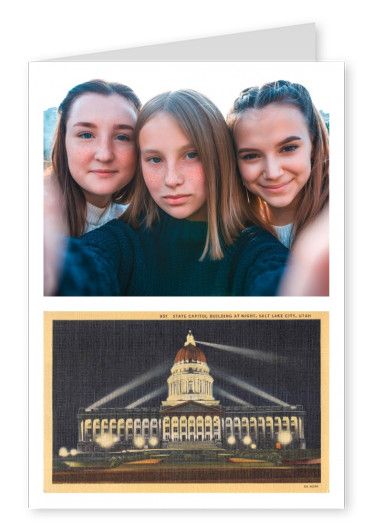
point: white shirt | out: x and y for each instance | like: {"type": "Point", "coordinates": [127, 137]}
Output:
{"type": "Point", "coordinates": [285, 234]}
{"type": "Point", "coordinates": [96, 216]}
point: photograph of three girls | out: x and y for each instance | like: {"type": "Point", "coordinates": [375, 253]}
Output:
{"type": "Point", "coordinates": [170, 198]}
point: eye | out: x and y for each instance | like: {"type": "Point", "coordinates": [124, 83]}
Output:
{"type": "Point", "coordinates": [123, 138]}
{"type": "Point", "coordinates": [85, 136]}
{"type": "Point", "coordinates": [191, 155]}
{"type": "Point", "coordinates": [291, 147]}
{"type": "Point", "coordinates": [155, 160]}
{"type": "Point", "coordinates": [250, 156]}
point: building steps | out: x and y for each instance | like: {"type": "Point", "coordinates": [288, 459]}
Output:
{"type": "Point", "coordinates": [192, 445]}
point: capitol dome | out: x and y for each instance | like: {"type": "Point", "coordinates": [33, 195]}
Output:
{"type": "Point", "coordinates": [190, 352]}
{"type": "Point", "coordinates": [190, 379]}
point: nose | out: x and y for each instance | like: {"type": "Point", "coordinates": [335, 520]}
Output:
{"type": "Point", "coordinates": [273, 168]}
{"type": "Point", "coordinates": [173, 177]}
{"type": "Point", "coordinates": [104, 152]}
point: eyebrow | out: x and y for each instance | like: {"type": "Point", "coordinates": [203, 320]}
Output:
{"type": "Point", "coordinates": [289, 139]}
{"type": "Point", "coordinates": [182, 149]}
{"type": "Point", "coordinates": [148, 151]}
{"type": "Point", "coordinates": [93, 126]}
{"type": "Point", "coordinates": [284, 141]}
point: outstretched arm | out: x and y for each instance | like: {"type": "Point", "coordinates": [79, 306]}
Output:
{"type": "Point", "coordinates": [98, 263]}
{"type": "Point", "coordinates": [308, 272]}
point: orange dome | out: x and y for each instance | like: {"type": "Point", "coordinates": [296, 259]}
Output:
{"type": "Point", "coordinates": [190, 353]}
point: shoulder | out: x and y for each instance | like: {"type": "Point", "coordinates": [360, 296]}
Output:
{"type": "Point", "coordinates": [253, 238]}
{"type": "Point", "coordinates": [113, 229]}
{"type": "Point", "coordinates": [260, 262]}
{"type": "Point", "coordinates": [99, 262]}
{"type": "Point", "coordinates": [258, 250]}
{"type": "Point", "coordinates": [110, 243]}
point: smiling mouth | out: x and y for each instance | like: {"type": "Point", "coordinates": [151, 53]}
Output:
{"type": "Point", "coordinates": [276, 188]}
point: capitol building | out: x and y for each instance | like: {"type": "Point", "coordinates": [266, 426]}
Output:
{"type": "Point", "coordinates": [190, 417]}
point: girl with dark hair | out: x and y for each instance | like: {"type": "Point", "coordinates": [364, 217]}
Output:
{"type": "Point", "coordinates": [184, 230]}
{"type": "Point", "coordinates": [94, 156]}
{"type": "Point", "coordinates": [282, 151]}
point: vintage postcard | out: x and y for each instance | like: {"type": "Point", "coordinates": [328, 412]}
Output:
{"type": "Point", "coordinates": [208, 402]}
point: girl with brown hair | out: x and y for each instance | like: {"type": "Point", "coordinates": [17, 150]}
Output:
{"type": "Point", "coordinates": [94, 156]}
{"type": "Point", "coordinates": [282, 149]}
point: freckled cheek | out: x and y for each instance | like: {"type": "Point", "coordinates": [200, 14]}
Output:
{"type": "Point", "coordinates": [128, 160]}
{"type": "Point", "coordinates": [153, 177]}
{"type": "Point", "coordinates": [78, 156]}
{"type": "Point", "coordinates": [193, 173]}
{"type": "Point", "coordinates": [198, 183]}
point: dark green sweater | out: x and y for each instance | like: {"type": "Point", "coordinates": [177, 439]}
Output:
{"type": "Point", "coordinates": [164, 260]}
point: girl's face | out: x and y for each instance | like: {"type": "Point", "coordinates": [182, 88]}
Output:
{"type": "Point", "coordinates": [273, 149]}
{"type": "Point", "coordinates": [172, 169]}
{"type": "Point", "coordinates": [100, 145]}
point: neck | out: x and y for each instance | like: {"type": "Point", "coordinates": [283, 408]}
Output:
{"type": "Point", "coordinates": [100, 201]}
{"type": "Point", "coordinates": [280, 216]}
{"type": "Point", "coordinates": [200, 215]}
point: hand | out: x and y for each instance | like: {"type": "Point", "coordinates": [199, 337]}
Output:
{"type": "Point", "coordinates": [55, 233]}
{"type": "Point", "coordinates": [308, 270]}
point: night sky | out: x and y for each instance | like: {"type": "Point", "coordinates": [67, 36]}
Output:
{"type": "Point", "coordinates": [93, 358]}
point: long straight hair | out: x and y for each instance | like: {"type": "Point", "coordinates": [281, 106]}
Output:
{"type": "Point", "coordinates": [315, 193]}
{"type": "Point", "coordinates": [73, 196]}
{"type": "Point", "coordinates": [202, 122]}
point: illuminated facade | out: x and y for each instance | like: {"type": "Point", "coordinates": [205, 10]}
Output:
{"type": "Point", "coordinates": [190, 417]}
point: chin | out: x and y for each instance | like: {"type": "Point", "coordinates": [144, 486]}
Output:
{"type": "Point", "coordinates": [278, 202]}
{"type": "Point", "coordinates": [177, 215]}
